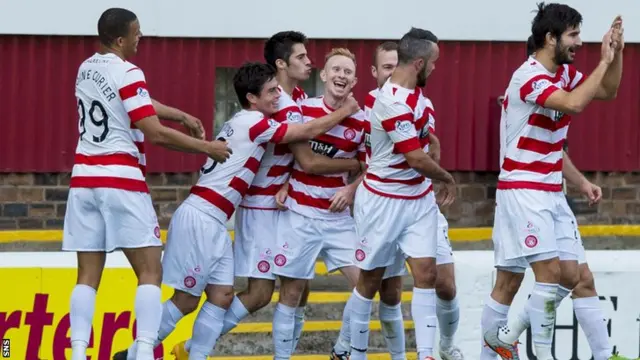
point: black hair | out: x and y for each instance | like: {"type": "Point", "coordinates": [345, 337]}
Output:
{"type": "Point", "coordinates": [250, 79]}
{"type": "Point", "coordinates": [280, 46]}
{"type": "Point", "coordinates": [531, 47]}
{"type": "Point", "coordinates": [385, 46]}
{"type": "Point", "coordinates": [415, 44]}
{"type": "Point", "coordinates": [114, 23]}
{"type": "Point", "coordinates": [553, 18]}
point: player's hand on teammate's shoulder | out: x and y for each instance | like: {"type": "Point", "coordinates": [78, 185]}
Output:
{"type": "Point", "coordinates": [351, 104]}
{"type": "Point", "coordinates": [607, 50]}
{"type": "Point", "coordinates": [194, 125]}
{"type": "Point", "coordinates": [218, 150]}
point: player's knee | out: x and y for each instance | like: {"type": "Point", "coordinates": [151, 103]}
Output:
{"type": "Point", "coordinates": [220, 295]}
{"type": "Point", "coordinates": [261, 290]}
{"type": "Point", "coordinates": [187, 303]}
{"type": "Point", "coordinates": [586, 286]}
{"type": "Point", "coordinates": [569, 276]}
{"type": "Point", "coordinates": [291, 291]}
{"type": "Point", "coordinates": [424, 274]}
{"type": "Point", "coordinates": [445, 288]}
{"type": "Point", "coordinates": [391, 290]}
{"type": "Point", "coordinates": [507, 284]}
{"type": "Point", "coordinates": [146, 263]}
{"type": "Point", "coordinates": [547, 271]}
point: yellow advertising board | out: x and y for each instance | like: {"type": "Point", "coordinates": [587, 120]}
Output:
{"type": "Point", "coordinates": [34, 314]}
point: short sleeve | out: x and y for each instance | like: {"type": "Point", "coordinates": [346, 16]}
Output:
{"type": "Point", "coordinates": [537, 89]}
{"type": "Point", "coordinates": [290, 115]}
{"type": "Point", "coordinates": [267, 130]}
{"type": "Point", "coordinates": [135, 95]}
{"type": "Point", "coordinates": [398, 122]}
{"type": "Point", "coordinates": [575, 77]}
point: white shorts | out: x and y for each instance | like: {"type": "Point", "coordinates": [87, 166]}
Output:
{"type": "Point", "coordinates": [533, 225]}
{"type": "Point", "coordinates": [385, 224]}
{"type": "Point", "coordinates": [444, 253]}
{"type": "Point", "coordinates": [301, 240]}
{"type": "Point", "coordinates": [198, 252]}
{"type": "Point", "coordinates": [255, 236]}
{"type": "Point", "coordinates": [104, 219]}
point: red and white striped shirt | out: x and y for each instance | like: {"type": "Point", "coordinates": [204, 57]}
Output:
{"type": "Point", "coordinates": [532, 136]}
{"type": "Point", "coordinates": [399, 123]}
{"type": "Point", "coordinates": [368, 105]}
{"type": "Point", "coordinates": [277, 162]}
{"type": "Point", "coordinates": [309, 194]}
{"type": "Point", "coordinates": [221, 187]}
{"type": "Point", "coordinates": [111, 96]}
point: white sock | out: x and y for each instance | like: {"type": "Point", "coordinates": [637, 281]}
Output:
{"type": "Point", "coordinates": [283, 331]}
{"type": "Point", "coordinates": [170, 317]}
{"type": "Point", "coordinates": [206, 331]}
{"type": "Point", "coordinates": [343, 344]}
{"type": "Point", "coordinates": [423, 312]}
{"type": "Point", "coordinates": [541, 308]}
{"type": "Point", "coordinates": [448, 314]}
{"type": "Point", "coordinates": [148, 309]}
{"type": "Point", "coordinates": [360, 308]}
{"type": "Point", "coordinates": [83, 305]}
{"type": "Point", "coordinates": [232, 317]}
{"type": "Point", "coordinates": [493, 314]}
{"type": "Point", "coordinates": [237, 311]}
{"type": "Point", "coordinates": [521, 322]}
{"type": "Point", "coordinates": [392, 324]}
{"type": "Point", "coordinates": [297, 327]}
{"type": "Point", "coordinates": [592, 321]}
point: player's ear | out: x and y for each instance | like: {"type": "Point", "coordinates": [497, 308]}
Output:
{"type": "Point", "coordinates": [374, 71]}
{"type": "Point", "coordinates": [418, 64]}
{"type": "Point", "coordinates": [253, 99]}
{"type": "Point", "coordinates": [323, 75]}
{"type": "Point", "coordinates": [355, 81]}
{"type": "Point", "coordinates": [281, 64]}
{"type": "Point", "coordinates": [551, 40]}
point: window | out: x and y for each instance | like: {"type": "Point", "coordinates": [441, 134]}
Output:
{"type": "Point", "coordinates": [227, 103]}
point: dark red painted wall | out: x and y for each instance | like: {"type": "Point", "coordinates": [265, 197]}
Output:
{"type": "Point", "coordinates": [38, 118]}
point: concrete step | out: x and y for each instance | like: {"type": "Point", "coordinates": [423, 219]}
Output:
{"type": "Point", "coordinates": [323, 306]}
{"type": "Point", "coordinates": [318, 337]}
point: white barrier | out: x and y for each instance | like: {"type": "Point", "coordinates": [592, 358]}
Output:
{"type": "Point", "coordinates": [616, 274]}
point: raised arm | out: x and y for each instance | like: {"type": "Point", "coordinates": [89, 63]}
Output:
{"type": "Point", "coordinates": [546, 94]}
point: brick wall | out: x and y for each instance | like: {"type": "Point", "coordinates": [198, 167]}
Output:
{"type": "Point", "coordinates": [37, 201]}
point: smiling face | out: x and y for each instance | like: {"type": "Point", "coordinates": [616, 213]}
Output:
{"type": "Point", "coordinates": [386, 62]}
{"type": "Point", "coordinates": [339, 76]}
{"type": "Point", "coordinates": [267, 101]}
{"type": "Point", "coordinates": [565, 47]}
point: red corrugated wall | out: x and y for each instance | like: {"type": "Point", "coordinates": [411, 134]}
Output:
{"type": "Point", "coordinates": [38, 129]}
